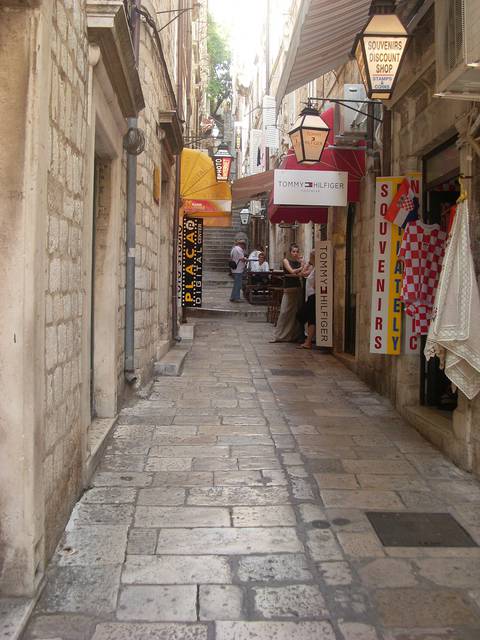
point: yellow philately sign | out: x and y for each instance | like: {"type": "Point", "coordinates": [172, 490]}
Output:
{"type": "Point", "coordinates": [387, 273]}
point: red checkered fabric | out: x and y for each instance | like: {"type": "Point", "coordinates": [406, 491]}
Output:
{"type": "Point", "coordinates": [422, 251]}
{"type": "Point", "coordinates": [407, 204]}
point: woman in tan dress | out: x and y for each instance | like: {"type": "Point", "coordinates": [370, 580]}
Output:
{"type": "Point", "coordinates": [288, 328]}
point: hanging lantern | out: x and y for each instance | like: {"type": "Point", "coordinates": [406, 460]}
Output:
{"type": "Point", "coordinates": [222, 161]}
{"type": "Point", "coordinates": [245, 216]}
{"type": "Point", "coordinates": [379, 51]}
{"type": "Point", "coordinates": [308, 136]}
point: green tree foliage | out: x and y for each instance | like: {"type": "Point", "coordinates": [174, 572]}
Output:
{"type": "Point", "coordinates": [220, 57]}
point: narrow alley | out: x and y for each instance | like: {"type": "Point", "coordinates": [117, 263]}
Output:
{"type": "Point", "coordinates": [232, 504]}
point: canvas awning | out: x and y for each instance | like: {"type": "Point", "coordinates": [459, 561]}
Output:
{"type": "Point", "coordinates": [250, 187]}
{"type": "Point", "coordinates": [322, 38]}
{"type": "Point", "coordinates": [278, 213]}
{"type": "Point", "coordinates": [200, 192]}
{"type": "Point", "coordinates": [333, 159]}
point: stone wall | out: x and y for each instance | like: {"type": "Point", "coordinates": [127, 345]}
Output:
{"type": "Point", "coordinates": [63, 301]}
{"type": "Point", "coordinates": [420, 122]}
{"type": "Point", "coordinates": [22, 97]}
{"type": "Point", "coordinates": [154, 229]}
{"type": "Point", "coordinates": [63, 232]}
{"type": "Point", "coordinates": [475, 244]}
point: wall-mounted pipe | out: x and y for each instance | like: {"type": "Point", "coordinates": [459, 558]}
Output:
{"type": "Point", "coordinates": [130, 375]}
{"type": "Point", "coordinates": [176, 312]}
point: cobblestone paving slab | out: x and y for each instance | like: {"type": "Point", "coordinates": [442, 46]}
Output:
{"type": "Point", "coordinates": [118, 631]}
{"type": "Point", "coordinates": [274, 631]}
{"type": "Point", "coordinates": [230, 505]}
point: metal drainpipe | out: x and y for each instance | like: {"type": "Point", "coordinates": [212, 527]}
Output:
{"type": "Point", "coordinates": [176, 214]}
{"type": "Point", "coordinates": [130, 375]}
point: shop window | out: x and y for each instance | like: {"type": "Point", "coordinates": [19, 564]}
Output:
{"type": "Point", "coordinates": [350, 284]}
{"type": "Point", "coordinates": [441, 191]}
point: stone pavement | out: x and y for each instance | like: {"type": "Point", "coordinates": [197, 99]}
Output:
{"type": "Point", "coordinates": [231, 505]}
{"type": "Point", "coordinates": [217, 287]}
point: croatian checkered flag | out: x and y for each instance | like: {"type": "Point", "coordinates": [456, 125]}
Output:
{"type": "Point", "coordinates": [404, 206]}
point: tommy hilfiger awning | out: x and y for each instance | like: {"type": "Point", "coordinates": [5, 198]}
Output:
{"type": "Point", "coordinates": [251, 187]}
{"type": "Point", "coordinates": [349, 160]}
{"type": "Point", "coordinates": [322, 38]}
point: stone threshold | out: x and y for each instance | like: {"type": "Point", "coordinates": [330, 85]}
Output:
{"type": "Point", "coordinates": [432, 423]}
{"type": "Point", "coordinates": [347, 359]}
{"type": "Point", "coordinates": [259, 315]}
{"type": "Point", "coordinates": [14, 615]}
{"type": "Point", "coordinates": [96, 439]}
{"type": "Point", "coordinates": [172, 360]}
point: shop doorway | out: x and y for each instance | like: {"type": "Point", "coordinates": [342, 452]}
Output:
{"type": "Point", "coordinates": [96, 171]}
{"type": "Point", "coordinates": [103, 294]}
{"type": "Point", "coordinates": [441, 191]}
{"type": "Point", "coordinates": [350, 284]}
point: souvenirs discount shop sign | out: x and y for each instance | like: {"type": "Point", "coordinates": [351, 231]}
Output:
{"type": "Point", "coordinates": [191, 266]}
{"type": "Point", "coordinates": [324, 293]}
{"type": "Point", "coordinates": [310, 188]}
{"type": "Point", "coordinates": [386, 317]}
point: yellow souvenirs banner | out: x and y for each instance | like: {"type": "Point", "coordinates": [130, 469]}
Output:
{"type": "Point", "coordinates": [386, 312]}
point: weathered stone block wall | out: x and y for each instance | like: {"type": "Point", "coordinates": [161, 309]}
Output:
{"type": "Point", "coordinates": [475, 244]}
{"type": "Point", "coordinates": [25, 62]}
{"type": "Point", "coordinates": [420, 123]}
{"type": "Point", "coordinates": [66, 188]}
{"type": "Point", "coordinates": [154, 229]}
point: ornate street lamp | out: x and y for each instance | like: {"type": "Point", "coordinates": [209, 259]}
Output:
{"type": "Point", "coordinates": [308, 136]}
{"type": "Point", "coordinates": [245, 216]}
{"type": "Point", "coordinates": [380, 49]}
{"type": "Point", "coordinates": [222, 161]}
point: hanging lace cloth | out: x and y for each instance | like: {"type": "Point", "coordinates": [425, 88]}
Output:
{"type": "Point", "coordinates": [454, 334]}
{"type": "Point", "coordinates": [422, 252]}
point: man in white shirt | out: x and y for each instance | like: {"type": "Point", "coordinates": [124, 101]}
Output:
{"type": "Point", "coordinates": [237, 255]}
{"type": "Point", "coordinates": [253, 258]}
{"type": "Point", "coordinates": [260, 265]}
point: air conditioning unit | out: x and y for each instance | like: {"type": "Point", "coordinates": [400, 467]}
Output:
{"type": "Point", "coordinates": [457, 45]}
{"type": "Point", "coordinates": [351, 126]}
{"type": "Point", "coordinates": [255, 207]}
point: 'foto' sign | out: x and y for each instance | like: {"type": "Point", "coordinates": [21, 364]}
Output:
{"type": "Point", "coordinates": [324, 293]}
{"type": "Point", "coordinates": [386, 318]}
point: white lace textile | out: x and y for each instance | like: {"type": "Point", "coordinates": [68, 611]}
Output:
{"type": "Point", "coordinates": [454, 333]}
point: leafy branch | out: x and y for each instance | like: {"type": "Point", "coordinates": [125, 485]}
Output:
{"type": "Point", "coordinates": [220, 59]}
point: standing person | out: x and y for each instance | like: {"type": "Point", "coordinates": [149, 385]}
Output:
{"type": "Point", "coordinates": [288, 327]}
{"type": "Point", "coordinates": [237, 257]}
{"type": "Point", "coordinates": [307, 315]}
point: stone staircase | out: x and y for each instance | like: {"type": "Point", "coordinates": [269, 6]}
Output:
{"type": "Point", "coordinates": [217, 281]}
{"type": "Point", "coordinates": [217, 243]}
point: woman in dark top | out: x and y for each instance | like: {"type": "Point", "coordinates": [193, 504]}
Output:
{"type": "Point", "coordinates": [288, 328]}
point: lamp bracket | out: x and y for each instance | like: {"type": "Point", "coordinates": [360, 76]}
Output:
{"type": "Point", "coordinates": [179, 13]}
{"type": "Point", "coordinates": [343, 103]}
{"type": "Point", "coordinates": [379, 7]}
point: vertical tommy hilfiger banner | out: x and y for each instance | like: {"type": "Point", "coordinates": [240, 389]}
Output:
{"type": "Point", "coordinates": [386, 315]}
{"type": "Point", "coordinates": [192, 248]}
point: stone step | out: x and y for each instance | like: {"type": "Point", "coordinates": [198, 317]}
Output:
{"type": "Point", "coordinates": [217, 265]}
{"type": "Point", "coordinates": [251, 315]}
{"type": "Point", "coordinates": [172, 362]}
{"type": "Point", "coordinates": [218, 245]}
{"type": "Point", "coordinates": [217, 255]}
